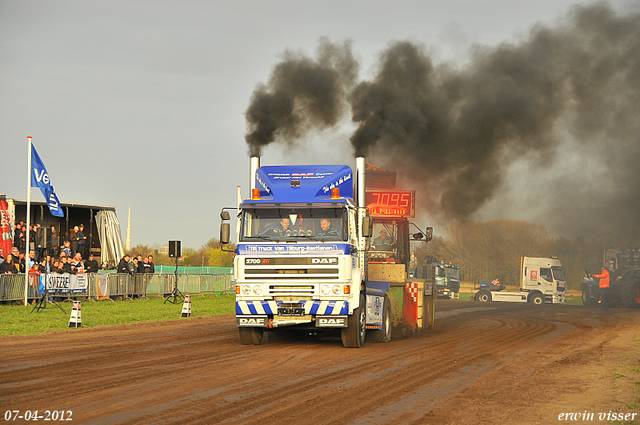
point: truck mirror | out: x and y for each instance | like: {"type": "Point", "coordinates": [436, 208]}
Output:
{"type": "Point", "coordinates": [429, 234]}
{"type": "Point", "coordinates": [418, 236]}
{"type": "Point", "coordinates": [367, 226]}
{"type": "Point", "coordinates": [225, 230]}
{"type": "Point", "coordinates": [224, 215]}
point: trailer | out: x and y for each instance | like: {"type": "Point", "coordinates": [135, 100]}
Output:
{"type": "Point", "coordinates": [542, 281]}
{"type": "Point", "coordinates": [302, 258]}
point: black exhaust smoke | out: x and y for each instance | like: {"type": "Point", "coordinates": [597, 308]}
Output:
{"type": "Point", "coordinates": [302, 94]}
{"type": "Point", "coordinates": [456, 132]}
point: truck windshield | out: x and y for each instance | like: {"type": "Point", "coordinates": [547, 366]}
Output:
{"type": "Point", "coordinates": [452, 273]}
{"type": "Point", "coordinates": [294, 223]}
{"type": "Point", "coordinates": [558, 273]}
{"type": "Point", "coordinates": [383, 247]}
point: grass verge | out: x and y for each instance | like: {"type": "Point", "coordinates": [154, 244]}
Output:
{"type": "Point", "coordinates": [20, 320]}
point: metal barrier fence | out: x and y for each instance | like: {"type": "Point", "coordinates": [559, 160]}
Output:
{"type": "Point", "coordinates": [124, 286]}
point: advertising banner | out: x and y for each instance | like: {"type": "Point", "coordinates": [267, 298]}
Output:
{"type": "Point", "coordinates": [102, 281]}
{"type": "Point", "coordinates": [65, 283]}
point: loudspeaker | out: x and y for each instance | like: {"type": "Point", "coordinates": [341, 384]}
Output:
{"type": "Point", "coordinates": [174, 249]}
{"type": "Point", "coordinates": [43, 237]}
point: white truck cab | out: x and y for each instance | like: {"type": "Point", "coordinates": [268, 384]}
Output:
{"type": "Point", "coordinates": [541, 281]}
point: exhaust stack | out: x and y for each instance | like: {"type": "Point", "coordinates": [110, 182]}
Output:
{"type": "Point", "coordinates": [254, 164]}
{"type": "Point", "coordinates": [361, 181]}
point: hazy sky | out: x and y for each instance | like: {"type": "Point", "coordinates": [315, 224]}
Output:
{"type": "Point", "coordinates": [141, 103]}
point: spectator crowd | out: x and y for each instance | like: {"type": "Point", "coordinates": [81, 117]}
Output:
{"type": "Point", "coordinates": [69, 257]}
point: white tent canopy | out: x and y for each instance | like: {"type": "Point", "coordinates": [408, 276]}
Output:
{"type": "Point", "coordinates": [110, 239]}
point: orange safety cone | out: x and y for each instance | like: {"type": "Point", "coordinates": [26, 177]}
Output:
{"type": "Point", "coordinates": [186, 306]}
{"type": "Point", "coordinates": [75, 321]}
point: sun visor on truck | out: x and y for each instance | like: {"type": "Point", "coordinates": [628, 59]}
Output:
{"type": "Point", "coordinates": [303, 183]}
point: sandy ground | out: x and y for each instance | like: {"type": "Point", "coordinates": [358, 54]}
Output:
{"type": "Point", "coordinates": [481, 364]}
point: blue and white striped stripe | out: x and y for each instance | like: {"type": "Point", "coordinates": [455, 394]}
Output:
{"type": "Point", "coordinates": [310, 307]}
{"type": "Point", "coordinates": [256, 307]}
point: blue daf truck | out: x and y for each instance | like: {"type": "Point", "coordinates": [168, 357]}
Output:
{"type": "Point", "coordinates": [302, 257]}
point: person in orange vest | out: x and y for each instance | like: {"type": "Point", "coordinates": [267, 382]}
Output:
{"type": "Point", "coordinates": [604, 288]}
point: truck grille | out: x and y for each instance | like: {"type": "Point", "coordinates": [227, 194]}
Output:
{"type": "Point", "coordinates": [289, 274]}
{"type": "Point", "coordinates": [285, 268]}
{"type": "Point", "coordinates": [291, 278]}
{"type": "Point", "coordinates": [292, 291]}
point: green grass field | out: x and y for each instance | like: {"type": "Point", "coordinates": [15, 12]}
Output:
{"type": "Point", "coordinates": [20, 320]}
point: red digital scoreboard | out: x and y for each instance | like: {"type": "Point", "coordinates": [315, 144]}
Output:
{"type": "Point", "coordinates": [391, 203]}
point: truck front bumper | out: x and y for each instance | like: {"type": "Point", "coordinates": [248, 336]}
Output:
{"type": "Point", "coordinates": [273, 314]}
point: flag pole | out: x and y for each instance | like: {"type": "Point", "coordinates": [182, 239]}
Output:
{"type": "Point", "coordinates": [26, 250]}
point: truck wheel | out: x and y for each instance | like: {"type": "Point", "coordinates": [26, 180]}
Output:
{"type": "Point", "coordinates": [251, 336]}
{"type": "Point", "coordinates": [586, 297]}
{"type": "Point", "coordinates": [353, 335]}
{"type": "Point", "coordinates": [537, 299]}
{"type": "Point", "coordinates": [483, 296]}
{"type": "Point", "coordinates": [631, 294]}
{"type": "Point", "coordinates": [383, 335]}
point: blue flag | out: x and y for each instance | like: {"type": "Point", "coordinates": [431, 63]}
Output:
{"type": "Point", "coordinates": [40, 178]}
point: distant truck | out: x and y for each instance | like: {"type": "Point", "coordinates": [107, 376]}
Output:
{"type": "Point", "coordinates": [624, 270]}
{"type": "Point", "coordinates": [447, 280]}
{"type": "Point", "coordinates": [541, 281]}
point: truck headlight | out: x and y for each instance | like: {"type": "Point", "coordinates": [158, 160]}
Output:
{"type": "Point", "coordinates": [246, 290]}
{"type": "Point", "coordinates": [336, 289]}
{"type": "Point", "coordinates": [257, 289]}
{"type": "Point", "coordinates": [325, 289]}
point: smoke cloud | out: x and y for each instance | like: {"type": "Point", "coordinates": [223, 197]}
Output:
{"type": "Point", "coordinates": [564, 92]}
{"type": "Point", "coordinates": [302, 93]}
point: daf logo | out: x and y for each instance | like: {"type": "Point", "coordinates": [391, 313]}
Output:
{"type": "Point", "coordinates": [250, 321]}
{"type": "Point", "coordinates": [324, 260]}
{"type": "Point", "coordinates": [331, 322]}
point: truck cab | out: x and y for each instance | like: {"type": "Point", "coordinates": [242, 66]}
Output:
{"type": "Point", "coordinates": [301, 253]}
{"type": "Point", "coordinates": [303, 257]}
{"type": "Point", "coordinates": [542, 281]}
{"type": "Point", "coordinates": [543, 276]}
{"type": "Point", "coordinates": [447, 280]}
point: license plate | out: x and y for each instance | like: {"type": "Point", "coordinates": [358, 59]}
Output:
{"type": "Point", "coordinates": [284, 311]}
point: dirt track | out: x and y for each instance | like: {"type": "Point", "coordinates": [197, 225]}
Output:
{"type": "Point", "coordinates": [493, 364]}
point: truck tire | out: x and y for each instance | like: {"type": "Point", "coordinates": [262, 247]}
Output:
{"type": "Point", "coordinates": [353, 335]}
{"type": "Point", "coordinates": [483, 296]}
{"type": "Point", "coordinates": [614, 297]}
{"type": "Point", "coordinates": [383, 335]}
{"type": "Point", "coordinates": [536, 299]}
{"type": "Point", "coordinates": [630, 293]}
{"type": "Point", "coordinates": [251, 336]}
{"type": "Point", "coordinates": [586, 297]}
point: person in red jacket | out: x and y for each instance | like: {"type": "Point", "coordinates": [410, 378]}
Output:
{"type": "Point", "coordinates": [604, 288]}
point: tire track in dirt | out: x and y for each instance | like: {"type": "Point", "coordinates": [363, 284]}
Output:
{"type": "Point", "coordinates": [197, 371]}
{"type": "Point", "coordinates": [349, 383]}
